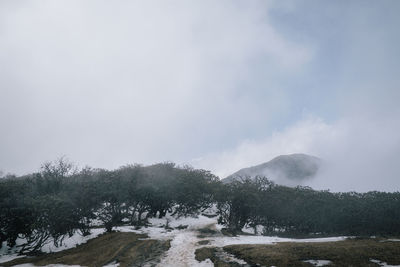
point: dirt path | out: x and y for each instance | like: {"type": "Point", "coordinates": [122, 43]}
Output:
{"type": "Point", "coordinates": [181, 253]}
{"type": "Point", "coordinates": [184, 244]}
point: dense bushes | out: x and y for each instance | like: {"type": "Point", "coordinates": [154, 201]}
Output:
{"type": "Point", "coordinates": [302, 210]}
{"type": "Point", "coordinates": [59, 201]}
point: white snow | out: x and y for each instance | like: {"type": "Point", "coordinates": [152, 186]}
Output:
{"type": "Point", "coordinates": [250, 230]}
{"type": "Point", "coordinates": [227, 257]}
{"type": "Point", "coordinates": [191, 222]}
{"type": "Point", "coordinates": [158, 231]}
{"type": "Point", "coordinates": [382, 263]}
{"type": "Point", "coordinates": [184, 242]}
{"type": "Point", "coordinates": [245, 239]}
{"type": "Point", "coordinates": [182, 251]}
{"type": "Point", "coordinates": [8, 254]}
{"type": "Point", "coordinates": [319, 262]}
{"type": "Point", "coordinates": [10, 257]}
{"type": "Point", "coordinates": [112, 264]}
{"type": "Point", "coordinates": [73, 241]}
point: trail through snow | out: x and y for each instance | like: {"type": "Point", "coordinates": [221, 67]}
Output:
{"type": "Point", "coordinates": [185, 242]}
{"type": "Point", "coordinates": [182, 251]}
{"type": "Point", "coordinates": [185, 236]}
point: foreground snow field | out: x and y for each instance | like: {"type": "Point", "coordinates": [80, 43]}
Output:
{"type": "Point", "coordinates": [8, 254]}
{"type": "Point", "coordinates": [184, 236]}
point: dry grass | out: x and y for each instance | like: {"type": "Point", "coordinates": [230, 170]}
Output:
{"type": "Point", "coordinates": [125, 248]}
{"type": "Point", "coordinates": [353, 252]}
{"type": "Point", "coordinates": [204, 253]}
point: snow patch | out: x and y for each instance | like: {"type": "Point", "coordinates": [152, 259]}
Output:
{"type": "Point", "coordinates": [227, 257]}
{"type": "Point", "coordinates": [182, 251]}
{"type": "Point", "coordinates": [319, 262]}
{"type": "Point", "coordinates": [185, 241]}
{"type": "Point", "coordinates": [112, 264]}
{"type": "Point", "coordinates": [73, 241]}
{"type": "Point", "coordinates": [5, 258]}
{"type": "Point", "coordinates": [8, 254]}
{"type": "Point", "coordinates": [245, 239]}
{"type": "Point", "coordinates": [183, 235]}
{"type": "Point", "coordinates": [382, 263]}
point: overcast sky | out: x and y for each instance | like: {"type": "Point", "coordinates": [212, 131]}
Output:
{"type": "Point", "coordinates": [220, 85]}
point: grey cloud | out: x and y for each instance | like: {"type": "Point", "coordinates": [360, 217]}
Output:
{"type": "Point", "coordinates": [110, 83]}
{"type": "Point", "coordinates": [221, 85]}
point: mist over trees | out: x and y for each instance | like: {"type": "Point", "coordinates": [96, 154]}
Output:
{"type": "Point", "coordinates": [61, 200]}
{"type": "Point", "coordinates": [302, 211]}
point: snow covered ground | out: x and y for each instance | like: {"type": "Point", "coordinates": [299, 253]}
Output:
{"type": "Point", "coordinates": [383, 264]}
{"type": "Point", "coordinates": [319, 262]}
{"type": "Point", "coordinates": [182, 251]}
{"type": "Point", "coordinates": [73, 241]}
{"type": "Point", "coordinates": [184, 241]}
{"type": "Point", "coordinates": [8, 254]}
{"type": "Point", "coordinates": [244, 239]}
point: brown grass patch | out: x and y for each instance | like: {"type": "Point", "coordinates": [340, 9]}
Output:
{"type": "Point", "coordinates": [352, 252]}
{"type": "Point", "coordinates": [204, 253]}
{"type": "Point", "coordinates": [125, 248]}
{"type": "Point", "coordinates": [211, 253]}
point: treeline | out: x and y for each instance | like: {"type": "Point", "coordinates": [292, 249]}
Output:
{"type": "Point", "coordinates": [60, 200]}
{"type": "Point", "coordinates": [302, 211]}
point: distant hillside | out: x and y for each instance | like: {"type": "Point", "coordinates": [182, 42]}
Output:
{"type": "Point", "coordinates": [288, 170]}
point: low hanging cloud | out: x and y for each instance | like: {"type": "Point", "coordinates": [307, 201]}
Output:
{"type": "Point", "coordinates": [147, 81]}
{"type": "Point", "coordinates": [298, 138]}
{"type": "Point", "coordinates": [360, 143]}
{"type": "Point", "coordinates": [358, 154]}
{"type": "Point", "coordinates": [112, 83]}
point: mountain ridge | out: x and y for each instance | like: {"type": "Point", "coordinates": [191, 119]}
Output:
{"type": "Point", "coordinates": [291, 170]}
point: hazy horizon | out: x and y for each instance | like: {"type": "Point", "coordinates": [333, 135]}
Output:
{"type": "Point", "coordinates": [218, 85]}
